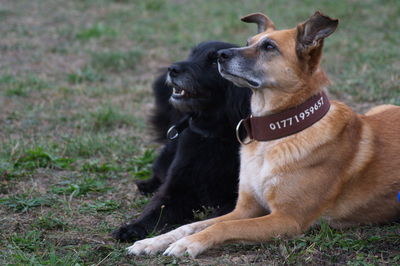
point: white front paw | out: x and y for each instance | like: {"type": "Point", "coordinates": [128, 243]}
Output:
{"type": "Point", "coordinates": [156, 244]}
{"type": "Point", "coordinates": [180, 247]}
{"type": "Point", "coordinates": [150, 246]}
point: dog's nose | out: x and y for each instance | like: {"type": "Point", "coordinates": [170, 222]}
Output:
{"type": "Point", "coordinates": [224, 55]}
{"type": "Point", "coordinates": [174, 70]}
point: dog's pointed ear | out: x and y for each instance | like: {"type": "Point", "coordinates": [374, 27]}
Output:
{"type": "Point", "coordinates": [310, 37]}
{"type": "Point", "coordinates": [311, 32]}
{"type": "Point", "coordinates": [263, 22]}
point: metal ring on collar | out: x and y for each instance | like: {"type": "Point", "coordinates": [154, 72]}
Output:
{"type": "Point", "coordinates": [172, 133]}
{"type": "Point", "coordinates": [238, 134]}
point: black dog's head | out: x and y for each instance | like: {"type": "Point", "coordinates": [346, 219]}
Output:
{"type": "Point", "coordinates": [196, 82]}
{"type": "Point", "coordinates": [194, 87]}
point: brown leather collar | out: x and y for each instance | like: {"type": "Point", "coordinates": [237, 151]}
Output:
{"type": "Point", "coordinates": [286, 123]}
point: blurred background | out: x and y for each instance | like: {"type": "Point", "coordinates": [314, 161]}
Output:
{"type": "Point", "coordinates": [75, 91]}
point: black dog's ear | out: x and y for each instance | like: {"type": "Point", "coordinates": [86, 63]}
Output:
{"type": "Point", "coordinates": [263, 22]}
{"type": "Point", "coordinates": [310, 37]}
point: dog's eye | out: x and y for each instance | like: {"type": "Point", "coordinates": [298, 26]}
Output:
{"type": "Point", "coordinates": [268, 46]}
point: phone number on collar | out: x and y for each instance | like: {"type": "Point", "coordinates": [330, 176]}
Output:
{"type": "Point", "coordinates": [297, 118]}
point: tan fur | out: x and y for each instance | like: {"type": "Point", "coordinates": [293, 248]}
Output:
{"type": "Point", "coordinates": [345, 168]}
{"type": "Point", "coordinates": [378, 109]}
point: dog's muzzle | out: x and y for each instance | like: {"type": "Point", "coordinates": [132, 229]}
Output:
{"type": "Point", "coordinates": [224, 55]}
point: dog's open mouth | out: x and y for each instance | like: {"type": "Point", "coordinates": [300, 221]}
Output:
{"type": "Point", "coordinates": [179, 93]}
{"type": "Point", "coordinates": [182, 91]}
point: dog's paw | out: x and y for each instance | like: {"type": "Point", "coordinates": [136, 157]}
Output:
{"type": "Point", "coordinates": [150, 246]}
{"type": "Point", "coordinates": [185, 245]}
{"type": "Point", "coordinates": [159, 243]}
{"type": "Point", "coordinates": [129, 232]}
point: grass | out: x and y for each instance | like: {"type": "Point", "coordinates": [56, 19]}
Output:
{"type": "Point", "coordinates": [116, 61]}
{"type": "Point", "coordinates": [96, 31]}
{"type": "Point", "coordinates": [82, 187]}
{"type": "Point", "coordinates": [23, 202]}
{"type": "Point", "coordinates": [101, 206]}
{"type": "Point", "coordinates": [86, 74]}
{"type": "Point", "coordinates": [14, 86]}
{"type": "Point", "coordinates": [108, 117]}
{"type": "Point", "coordinates": [49, 222]}
{"type": "Point", "coordinates": [38, 158]}
{"type": "Point", "coordinates": [75, 94]}
{"type": "Point", "coordinates": [141, 165]}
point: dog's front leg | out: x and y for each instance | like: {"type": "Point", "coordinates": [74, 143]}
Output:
{"type": "Point", "coordinates": [251, 230]}
{"type": "Point", "coordinates": [246, 207]}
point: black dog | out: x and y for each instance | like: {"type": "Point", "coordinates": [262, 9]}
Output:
{"type": "Point", "coordinates": [199, 165]}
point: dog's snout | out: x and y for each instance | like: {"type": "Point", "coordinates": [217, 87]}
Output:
{"type": "Point", "coordinates": [224, 55]}
{"type": "Point", "coordinates": [174, 70]}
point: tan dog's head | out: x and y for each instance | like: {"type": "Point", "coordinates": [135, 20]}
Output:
{"type": "Point", "coordinates": [278, 59]}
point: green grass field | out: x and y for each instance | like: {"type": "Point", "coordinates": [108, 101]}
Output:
{"type": "Point", "coordinates": [75, 91]}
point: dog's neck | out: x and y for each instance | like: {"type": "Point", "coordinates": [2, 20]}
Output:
{"type": "Point", "coordinates": [207, 121]}
{"type": "Point", "coordinates": [210, 125]}
{"type": "Point", "coordinates": [268, 101]}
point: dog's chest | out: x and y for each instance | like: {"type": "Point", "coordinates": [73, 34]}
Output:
{"type": "Point", "coordinates": [257, 175]}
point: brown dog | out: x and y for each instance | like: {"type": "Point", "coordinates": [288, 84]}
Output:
{"type": "Point", "coordinates": [344, 167]}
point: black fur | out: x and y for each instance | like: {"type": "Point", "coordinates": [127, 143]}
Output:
{"type": "Point", "coordinates": [200, 167]}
